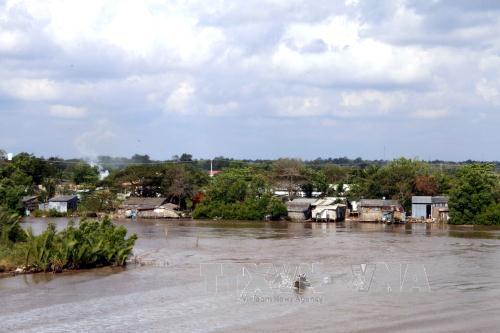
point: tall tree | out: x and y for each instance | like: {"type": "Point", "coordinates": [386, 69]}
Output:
{"type": "Point", "coordinates": [287, 173]}
{"type": "Point", "coordinates": [473, 192]}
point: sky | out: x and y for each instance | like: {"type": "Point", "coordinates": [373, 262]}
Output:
{"type": "Point", "coordinates": [251, 78]}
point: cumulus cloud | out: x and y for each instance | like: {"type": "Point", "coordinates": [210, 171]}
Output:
{"type": "Point", "coordinates": [67, 111]}
{"type": "Point", "coordinates": [430, 113]}
{"type": "Point", "coordinates": [245, 65]}
{"type": "Point", "coordinates": [377, 100]}
{"type": "Point", "coordinates": [30, 89]}
{"type": "Point", "coordinates": [180, 100]}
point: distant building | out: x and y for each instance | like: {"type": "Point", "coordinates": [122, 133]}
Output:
{"type": "Point", "coordinates": [30, 204]}
{"type": "Point", "coordinates": [148, 208]}
{"type": "Point", "coordinates": [212, 173]}
{"type": "Point", "coordinates": [62, 203]}
{"type": "Point", "coordinates": [284, 193]}
{"type": "Point", "coordinates": [377, 210]}
{"type": "Point", "coordinates": [328, 209]}
{"type": "Point", "coordinates": [427, 207]}
{"type": "Point", "coordinates": [299, 209]}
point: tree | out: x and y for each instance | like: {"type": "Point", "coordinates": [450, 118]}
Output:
{"type": "Point", "coordinates": [426, 185]}
{"type": "Point", "coordinates": [490, 216]}
{"type": "Point", "coordinates": [335, 173]}
{"type": "Point", "coordinates": [287, 173]}
{"type": "Point", "coordinates": [140, 159]}
{"type": "Point", "coordinates": [313, 180]}
{"type": "Point", "coordinates": [240, 194]}
{"type": "Point", "coordinates": [83, 173]}
{"type": "Point", "coordinates": [99, 201]}
{"type": "Point", "coordinates": [181, 182]}
{"type": "Point", "coordinates": [32, 166]}
{"type": "Point", "coordinates": [186, 158]}
{"type": "Point", "coordinates": [473, 192]}
{"type": "Point", "coordinates": [143, 180]}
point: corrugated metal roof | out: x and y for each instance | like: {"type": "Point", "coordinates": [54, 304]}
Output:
{"type": "Point", "coordinates": [299, 204]}
{"type": "Point", "coordinates": [29, 198]}
{"type": "Point", "coordinates": [63, 198]}
{"type": "Point", "coordinates": [143, 203]}
{"type": "Point", "coordinates": [419, 199]}
{"type": "Point", "coordinates": [440, 199]}
{"type": "Point", "coordinates": [326, 201]}
{"type": "Point", "coordinates": [377, 203]}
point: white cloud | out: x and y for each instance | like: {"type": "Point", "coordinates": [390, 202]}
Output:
{"type": "Point", "coordinates": [382, 101]}
{"type": "Point", "coordinates": [156, 31]}
{"type": "Point", "coordinates": [333, 61]}
{"type": "Point", "coordinates": [180, 100]}
{"type": "Point", "coordinates": [430, 113]}
{"type": "Point", "coordinates": [66, 111]}
{"type": "Point", "coordinates": [30, 89]}
{"type": "Point", "coordinates": [222, 109]}
{"type": "Point", "coordinates": [292, 106]}
{"type": "Point", "coordinates": [488, 91]}
{"type": "Point", "coordinates": [350, 58]}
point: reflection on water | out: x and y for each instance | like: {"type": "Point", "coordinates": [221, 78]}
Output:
{"type": "Point", "coordinates": [168, 293]}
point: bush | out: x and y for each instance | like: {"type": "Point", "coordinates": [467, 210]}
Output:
{"type": "Point", "coordinates": [10, 229]}
{"type": "Point", "coordinates": [490, 216]}
{"type": "Point", "coordinates": [91, 244]}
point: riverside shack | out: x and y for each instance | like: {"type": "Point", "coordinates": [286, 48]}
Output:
{"type": "Point", "coordinates": [381, 210]}
{"type": "Point", "coordinates": [427, 207]}
{"type": "Point", "coordinates": [148, 208]}
{"type": "Point", "coordinates": [299, 209]}
{"type": "Point", "coordinates": [328, 209]}
{"type": "Point", "coordinates": [61, 203]}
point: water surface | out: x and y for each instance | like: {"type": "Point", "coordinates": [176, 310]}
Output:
{"type": "Point", "coordinates": [170, 291]}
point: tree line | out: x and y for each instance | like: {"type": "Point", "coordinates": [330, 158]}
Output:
{"type": "Point", "coordinates": [244, 189]}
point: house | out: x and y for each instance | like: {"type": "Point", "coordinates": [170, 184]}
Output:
{"type": "Point", "coordinates": [328, 209]}
{"type": "Point", "coordinates": [377, 210]}
{"type": "Point", "coordinates": [148, 208]}
{"type": "Point", "coordinates": [212, 173]}
{"type": "Point", "coordinates": [427, 207]}
{"type": "Point", "coordinates": [299, 209]}
{"type": "Point", "coordinates": [30, 204]}
{"type": "Point", "coordinates": [61, 203]}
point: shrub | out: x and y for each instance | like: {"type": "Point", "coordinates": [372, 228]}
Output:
{"type": "Point", "coordinates": [490, 216]}
{"type": "Point", "coordinates": [91, 244]}
{"type": "Point", "coordinates": [10, 229]}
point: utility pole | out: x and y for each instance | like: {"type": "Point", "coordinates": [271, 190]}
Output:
{"type": "Point", "coordinates": [211, 168]}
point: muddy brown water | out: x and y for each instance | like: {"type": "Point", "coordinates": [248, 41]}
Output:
{"type": "Point", "coordinates": [237, 277]}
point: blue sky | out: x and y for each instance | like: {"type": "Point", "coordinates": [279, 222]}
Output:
{"type": "Point", "coordinates": [251, 79]}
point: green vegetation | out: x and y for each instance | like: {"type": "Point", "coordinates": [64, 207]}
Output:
{"type": "Point", "coordinates": [400, 179]}
{"type": "Point", "coordinates": [29, 175]}
{"type": "Point", "coordinates": [239, 194]}
{"type": "Point", "coordinates": [474, 198]}
{"type": "Point", "coordinates": [243, 189]}
{"type": "Point", "coordinates": [98, 201]}
{"type": "Point", "coordinates": [90, 244]}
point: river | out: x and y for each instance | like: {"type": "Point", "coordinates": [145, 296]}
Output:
{"type": "Point", "coordinates": [237, 276]}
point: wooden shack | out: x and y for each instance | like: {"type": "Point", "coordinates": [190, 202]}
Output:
{"type": "Point", "coordinates": [381, 210]}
